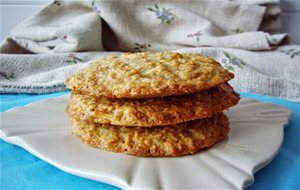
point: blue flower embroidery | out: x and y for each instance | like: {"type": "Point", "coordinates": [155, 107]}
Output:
{"type": "Point", "coordinates": [291, 52]}
{"type": "Point", "coordinates": [165, 15]}
{"type": "Point", "coordinates": [72, 58]}
{"type": "Point", "coordinates": [196, 34]}
{"type": "Point", "coordinates": [230, 61]}
{"type": "Point", "coordinates": [141, 47]}
{"type": "Point", "coordinates": [96, 9]}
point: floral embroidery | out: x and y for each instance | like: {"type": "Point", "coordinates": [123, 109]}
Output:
{"type": "Point", "coordinates": [165, 15]}
{"type": "Point", "coordinates": [231, 61]}
{"type": "Point", "coordinates": [237, 31]}
{"type": "Point", "coordinates": [57, 3]}
{"type": "Point", "coordinates": [141, 47]}
{"type": "Point", "coordinates": [197, 35]}
{"type": "Point", "coordinates": [72, 58]}
{"type": "Point", "coordinates": [7, 76]}
{"type": "Point", "coordinates": [291, 52]}
{"type": "Point", "coordinates": [96, 9]}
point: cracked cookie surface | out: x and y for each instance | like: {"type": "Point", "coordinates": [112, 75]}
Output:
{"type": "Point", "coordinates": [179, 139]}
{"type": "Point", "coordinates": [152, 111]}
{"type": "Point", "coordinates": [148, 74]}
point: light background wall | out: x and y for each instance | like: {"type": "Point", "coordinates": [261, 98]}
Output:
{"type": "Point", "coordinates": [13, 12]}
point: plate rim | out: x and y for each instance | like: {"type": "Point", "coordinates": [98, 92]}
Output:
{"type": "Point", "coordinates": [16, 140]}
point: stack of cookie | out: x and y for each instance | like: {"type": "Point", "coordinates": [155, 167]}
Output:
{"type": "Point", "coordinates": [151, 104]}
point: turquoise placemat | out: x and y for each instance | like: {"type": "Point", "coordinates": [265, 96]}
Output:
{"type": "Point", "coordinates": [21, 170]}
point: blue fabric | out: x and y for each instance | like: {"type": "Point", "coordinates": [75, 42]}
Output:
{"type": "Point", "coordinates": [21, 170]}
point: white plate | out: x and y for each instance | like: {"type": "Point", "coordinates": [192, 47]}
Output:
{"type": "Point", "coordinates": [256, 134]}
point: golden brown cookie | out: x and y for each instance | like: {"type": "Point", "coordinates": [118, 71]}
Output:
{"type": "Point", "coordinates": [180, 139]}
{"type": "Point", "coordinates": [149, 74]}
{"type": "Point", "coordinates": [152, 111]}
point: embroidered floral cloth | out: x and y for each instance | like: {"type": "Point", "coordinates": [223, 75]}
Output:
{"type": "Point", "coordinates": [225, 30]}
{"type": "Point", "coordinates": [134, 25]}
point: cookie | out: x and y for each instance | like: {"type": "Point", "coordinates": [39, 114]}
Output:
{"type": "Point", "coordinates": [175, 140]}
{"type": "Point", "coordinates": [148, 75]}
{"type": "Point", "coordinates": [152, 111]}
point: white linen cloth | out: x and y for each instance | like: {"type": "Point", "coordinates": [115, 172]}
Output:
{"type": "Point", "coordinates": [225, 30]}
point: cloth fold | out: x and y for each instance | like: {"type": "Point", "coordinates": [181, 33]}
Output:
{"type": "Point", "coordinates": [79, 29]}
{"type": "Point", "coordinates": [67, 35]}
{"type": "Point", "coordinates": [164, 25]}
{"type": "Point", "coordinates": [274, 73]}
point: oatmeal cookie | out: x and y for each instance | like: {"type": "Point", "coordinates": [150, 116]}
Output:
{"type": "Point", "coordinates": [148, 75]}
{"type": "Point", "coordinates": [179, 139]}
{"type": "Point", "coordinates": [152, 111]}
